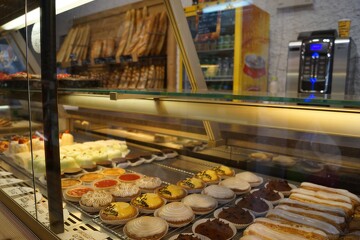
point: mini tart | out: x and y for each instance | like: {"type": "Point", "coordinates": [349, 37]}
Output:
{"type": "Point", "coordinates": [88, 178]}
{"type": "Point", "coordinates": [146, 228]}
{"type": "Point", "coordinates": [71, 172]}
{"type": "Point", "coordinates": [171, 192]}
{"type": "Point", "coordinates": [214, 228]}
{"type": "Point", "coordinates": [118, 213]}
{"type": "Point", "coordinates": [74, 194]}
{"type": "Point", "coordinates": [281, 186]}
{"type": "Point", "coordinates": [268, 194]}
{"type": "Point", "coordinates": [69, 182]}
{"type": "Point", "coordinates": [89, 167]}
{"type": "Point", "coordinates": [208, 176]}
{"type": "Point", "coordinates": [129, 177]}
{"type": "Point", "coordinates": [258, 206]}
{"type": "Point", "coordinates": [241, 218]}
{"type": "Point", "coordinates": [148, 202]}
{"type": "Point", "coordinates": [105, 184]}
{"type": "Point", "coordinates": [192, 185]}
{"type": "Point", "coordinates": [148, 184]}
{"type": "Point", "coordinates": [239, 186]}
{"type": "Point", "coordinates": [176, 214]}
{"type": "Point", "coordinates": [251, 178]}
{"type": "Point", "coordinates": [200, 203]}
{"type": "Point", "coordinates": [113, 172]}
{"type": "Point", "coordinates": [224, 171]}
{"type": "Point", "coordinates": [94, 201]}
{"type": "Point", "coordinates": [220, 193]}
{"type": "Point", "coordinates": [125, 192]}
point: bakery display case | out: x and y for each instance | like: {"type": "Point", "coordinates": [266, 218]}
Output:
{"type": "Point", "coordinates": [149, 163]}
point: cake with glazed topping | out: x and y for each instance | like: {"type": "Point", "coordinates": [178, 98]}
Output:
{"type": "Point", "coordinates": [146, 228]}
{"type": "Point", "coordinates": [192, 185]}
{"type": "Point", "coordinates": [177, 214]}
{"type": "Point", "coordinates": [171, 192]}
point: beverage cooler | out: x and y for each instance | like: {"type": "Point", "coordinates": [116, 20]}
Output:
{"type": "Point", "coordinates": [232, 42]}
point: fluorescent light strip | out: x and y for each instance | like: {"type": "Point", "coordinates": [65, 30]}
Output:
{"type": "Point", "coordinates": [225, 6]}
{"type": "Point", "coordinates": [34, 15]}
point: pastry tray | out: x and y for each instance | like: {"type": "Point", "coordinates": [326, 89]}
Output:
{"type": "Point", "coordinates": [63, 83]}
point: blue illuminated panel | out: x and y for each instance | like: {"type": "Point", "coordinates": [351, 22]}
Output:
{"type": "Point", "coordinates": [316, 46]}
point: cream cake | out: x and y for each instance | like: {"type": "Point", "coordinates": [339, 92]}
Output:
{"type": "Point", "coordinates": [148, 184]}
{"type": "Point", "coordinates": [146, 228]}
{"type": "Point", "coordinates": [125, 191]}
{"type": "Point", "coordinates": [238, 185]}
{"type": "Point", "coordinates": [94, 201]}
{"type": "Point", "coordinates": [177, 214]}
{"type": "Point", "coordinates": [251, 178]}
{"type": "Point", "coordinates": [200, 203]}
{"type": "Point", "coordinates": [220, 193]}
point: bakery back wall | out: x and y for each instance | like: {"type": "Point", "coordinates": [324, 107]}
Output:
{"type": "Point", "coordinates": [285, 25]}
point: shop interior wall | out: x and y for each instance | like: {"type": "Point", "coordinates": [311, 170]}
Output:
{"type": "Point", "coordinates": [285, 25]}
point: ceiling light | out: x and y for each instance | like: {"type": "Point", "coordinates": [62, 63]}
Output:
{"type": "Point", "coordinates": [34, 15]}
{"type": "Point", "coordinates": [226, 6]}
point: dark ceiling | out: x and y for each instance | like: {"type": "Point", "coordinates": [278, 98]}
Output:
{"type": "Point", "coordinates": [10, 9]}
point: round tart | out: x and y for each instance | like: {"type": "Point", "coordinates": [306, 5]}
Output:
{"type": "Point", "coordinates": [113, 172]}
{"type": "Point", "coordinates": [105, 184]}
{"type": "Point", "coordinates": [224, 171]}
{"type": "Point", "coordinates": [239, 186]}
{"type": "Point", "coordinates": [284, 161]}
{"type": "Point", "coordinates": [281, 186]}
{"type": "Point", "coordinates": [220, 193]}
{"type": "Point", "coordinates": [241, 218]}
{"type": "Point", "coordinates": [214, 228]}
{"type": "Point", "coordinates": [94, 201]}
{"type": "Point", "coordinates": [192, 185]}
{"type": "Point", "coordinates": [146, 228]}
{"type": "Point", "coordinates": [71, 172]}
{"type": "Point", "coordinates": [258, 206]}
{"type": "Point", "coordinates": [200, 203]}
{"type": "Point", "coordinates": [118, 213]}
{"type": "Point", "coordinates": [176, 214]}
{"type": "Point", "coordinates": [251, 178]}
{"type": "Point", "coordinates": [74, 194]}
{"type": "Point", "coordinates": [171, 192]}
{"type": "Point", "coordinates": [89, 167]}
{"type": "Point", "coordinates": [69, 182]}
{"type": "Point", "coordinates": [148, 184]}
{"type": "Point", "coordinates": [125, 192]}
{"type": "Point", "coordinates": [261, 156]}
{"type": "Point", "coordinates": [268, 194]}
{"type": "Point", "coordinates": [129, 177]}
{"type": "Point", "coordinates": [148, 202]}
{"type": "Point", "coordinates": [88, 178]}
{"type": "Point", "coordinates": [208, 176]}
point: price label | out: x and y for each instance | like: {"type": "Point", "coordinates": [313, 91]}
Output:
{"type": "Point", "coordinates": [83, 235]}
{"type": "Point", "coordinates": [9, 181]}
{"type": "Point", "coordinates": [14, 191]}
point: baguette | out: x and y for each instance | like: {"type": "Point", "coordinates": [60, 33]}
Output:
{"type": "Point", "coordinates": [140, 16]}
{"type": "Point", "coordinates": [60, 57]}
{"type": "Point", "coordinates": [338, 222]}
{"type": "Point", "coordinates": [153, 35]}
{"type": "Point", "coordinates": [70, 45]}
{"type": "Point", "coordinates": [163, 30]}
{"type": "Point", "coordinates": [95, 51]}
{"type": "Point", "coordinates": [124, 36]}
{"type": "Point", "coordinates": [315, 187]}
{"type": "Point", "coordinates": [282, 215]}
{"type": "Point", "coordinates": [309, 199]}
{"type": "Point", "coordinates": [145, 36]}
{"type": "Point", "coordinates": [131, 32]}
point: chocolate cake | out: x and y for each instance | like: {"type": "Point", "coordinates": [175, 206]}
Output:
{"type": "Point", "coordinates": [278, 185]}
{"type": "Point", "coordinates": [187, 237]}
{"type": "Point", "coordinates": [215, 229]}
{"type": "Point", "coordinates": [236, 215]}
{"type": "Point", "coordinates": [253, 203]}
{"type": "Point", "coordinates": [267, 194]}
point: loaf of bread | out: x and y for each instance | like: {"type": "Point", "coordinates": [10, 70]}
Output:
{"type": "Point", "coordinates": [95, 51]}
{"type": "Point", "coordinates": [163, 22]}
{"type": "Point", "coordinates": [139, 24]}
{"type": "Point", "coordinates": [274, 229]}
{"type": "Point", "coordinates": [141, 47]}
{"type": "Point", "coordinates": [153, 36]}
{"type": "Point", "coordinates": [108, 46]}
